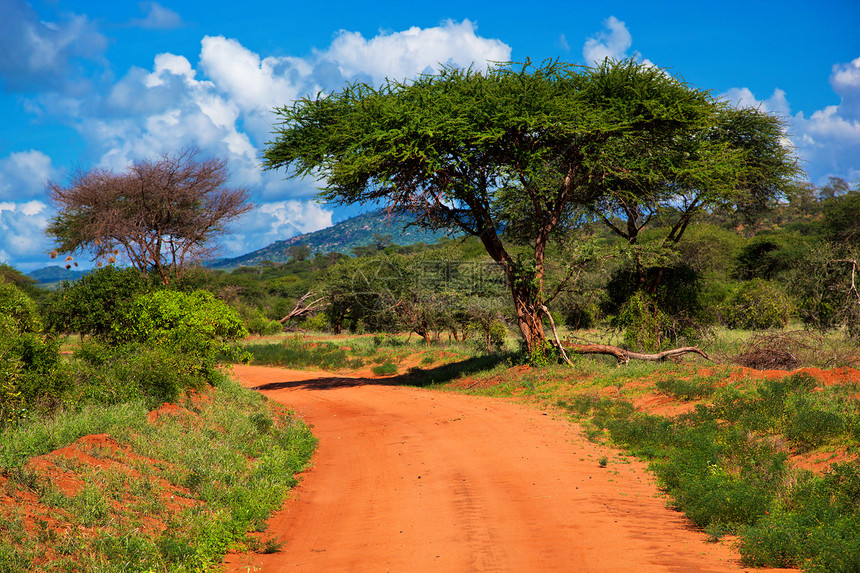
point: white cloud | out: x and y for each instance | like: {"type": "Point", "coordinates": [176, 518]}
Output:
{"type": "Point", "coordinates": [23, 175]}
{"type": "Point", "coordinates": [612, 43]}
{"type": "Point", "coordinates": [562, 43]}
{"type": "Point", "coordinates": [22, 228]}
{"type": "Point", "coordinates": [743, 97]}
{"type": "Point", "coordinates": [223, 105]}
{"type": "Point", "coordinates": [38, 54]}
{"type": "Point", "coordinates": [276, 221]}
{"type": "Point", "coordinates": [157, 17]}
{"type": "Point", "coordinates": [828, 140]}
{"type": "Point", "coordinates": [405, 54]}
{"type": "Point", "coordinates": [845, 79]}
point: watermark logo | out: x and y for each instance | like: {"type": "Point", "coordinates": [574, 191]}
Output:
{"type": "Point", "coordinates": [380, 285]}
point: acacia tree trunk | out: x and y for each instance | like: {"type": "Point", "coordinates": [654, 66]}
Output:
{"type": "Point", "coordinates": [527, 305]}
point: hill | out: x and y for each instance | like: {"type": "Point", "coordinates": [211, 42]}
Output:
{"type": "Point", "coordinates": [55, 274]}
{"type": "Point", "coordinates": [343, 237]}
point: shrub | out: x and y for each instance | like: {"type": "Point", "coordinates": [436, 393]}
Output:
{"type": "Point", "coordinates": [295, 352]}
{"type": "Point", "coordinates": [685, 389]}
{"type": "Point", "coordinates": [758, 305]}
{"type": "Point", "coordinates": [117, 374]}
{"type": "Point", "coordinates": [671, 314]}
{"type": "Point", "coordinates": [497, 334]}
{"type": "Point", "coordinates": [317, 323]}
{"type": "Point", "coordinates": [824, 286]}
{"type": "Point", "coordinates": [808, 425]}
{"type": "Point", "coordinates": [17, 310]}
{"type": "Point", "coordinates": [95, 304]}
{"type": "Point", "coordinates": [257, 322]}
{"type": "Point", "coordinates": [385, 369]}
{"type": "Point", "coordinates": [30, 373]}
{"type": "Point", "coordinates": [195, 325]}
{"type": "Point", "coordinates": [643, 323]}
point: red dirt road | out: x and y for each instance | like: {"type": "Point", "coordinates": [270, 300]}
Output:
{"type": "Point", "coordinates": [411, 480]}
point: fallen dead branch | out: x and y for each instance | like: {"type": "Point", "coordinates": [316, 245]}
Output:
{"type": "Point", "coordinates": [624, 356]}
{"type": "Point", "coordinates": [303, 308]}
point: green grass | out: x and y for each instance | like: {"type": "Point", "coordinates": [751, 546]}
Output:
{"type": "Point", "coordinates": [384, 352]}
{"type": "Point", "coordinates": [235, 458]}
{"type": "Point", "coordinates": [387, 368]}
{"type": "Point", "coordinates": [686, 390]}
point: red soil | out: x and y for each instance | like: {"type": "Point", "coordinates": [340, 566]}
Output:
{"type": "Point", "coordinates": [417, 480]}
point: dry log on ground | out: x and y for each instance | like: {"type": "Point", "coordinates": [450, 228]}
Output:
{"type": "Point", "coordinates": [624, 356]}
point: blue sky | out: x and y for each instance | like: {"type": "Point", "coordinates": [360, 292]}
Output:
{"type": "Point", "coordinates": [98, 83]}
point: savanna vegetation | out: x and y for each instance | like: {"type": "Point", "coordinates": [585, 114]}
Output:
{"type": "Point", "coordinates": [613, 205]}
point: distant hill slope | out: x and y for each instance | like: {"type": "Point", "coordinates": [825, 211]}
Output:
{"type": "Point", "coordinates": [342, 237]}
{"type": "Point", "coordinates": [55, 274]}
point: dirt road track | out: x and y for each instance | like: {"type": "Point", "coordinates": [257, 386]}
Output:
{"type": "Point", "coordinates": [410, 480]}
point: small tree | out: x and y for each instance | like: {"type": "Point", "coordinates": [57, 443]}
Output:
{"type": "Point", "coordinates": [841, 220]}
{"type": "Point", "coordinates": [161, 215]}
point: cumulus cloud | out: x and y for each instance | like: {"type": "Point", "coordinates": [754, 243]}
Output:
{"type": "Point", "coordinates": [23, 175]}
{"type": "Point", "coordinates": [22, 226]}
{"type": "Point", "coordinates": [405, 54]}
{"type": "Point", "coordinates": [845, 79]}
{"type": "Point", "coordinates": [157, 17]}
{"type": "Point", "coordinates": [828, 140]}
{"type": "Point", "coordinates": [224, 105]}
{"type": "Point", "coordinates": [276, 221]}
{"type": "Point", "coordinates": [611, 43]}
{"type": "Point", "coordinates": [35, 53]}
{"type": "Point", "coordinates": [743, 97]}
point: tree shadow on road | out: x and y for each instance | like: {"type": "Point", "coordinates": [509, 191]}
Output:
{"type": "Point", "coordinates": [419, 377]}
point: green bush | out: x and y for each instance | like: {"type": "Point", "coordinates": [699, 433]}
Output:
{"type": "Point", "coordinates": [17, 311]}
{"type": "Point", "coordinates": [685, 389]}
{"type": "Point", "coordinates": [671, 315]}
{"type": "Point", "coordinates": [317, 323]}
{"type": "Point", "coordinates": [817, 528]}
{"type": "Point", "coordinates": [95, 304]}
{"type": "Point", "coordinates": [258, 323]}
{"type": "Point", "coordinates": [808, 425]}
{"type": "Point", "coordinates": [30, 372]}
{"type": "Point", "coordinates": [643, 323]}
{"type": "Point", "coordinates": [497, 335]}
{"type": "Point", "coordinates": [118, 374]}
{"type": "Point", "coordinates": [758, 305]}
{"type": "Point", "coordinates": [385, 369]}
{"type": "Point", "coordinates": [295, 352]}
{"type": "Point", "coordinates": [195, 325]}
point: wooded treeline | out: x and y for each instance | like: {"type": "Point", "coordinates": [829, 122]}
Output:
{"type": "Point", "coordinates": [796, 261]}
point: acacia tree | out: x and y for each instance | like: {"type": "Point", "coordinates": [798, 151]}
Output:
{"type": "Point", "coordinates": [161, 215]}
{"type": "Point", "coordinates": [736, 163]}
{"type": "Point", "coordinates": [512, 155]}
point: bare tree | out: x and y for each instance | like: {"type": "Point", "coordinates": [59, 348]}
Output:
{"type": "Point", "coordinates": [161, 215]}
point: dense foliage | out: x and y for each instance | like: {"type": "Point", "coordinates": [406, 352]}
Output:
{"type": "Point", "coordinates": [31, 376]}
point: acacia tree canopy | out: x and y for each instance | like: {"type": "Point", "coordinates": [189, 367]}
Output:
{"type": "Point", "coordinates": [161, 215]}
{"type": "Point", "coordinates": [514, 154]}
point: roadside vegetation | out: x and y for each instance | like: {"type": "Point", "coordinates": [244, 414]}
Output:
{"type": "Point", "coordinates": [134, 451]}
